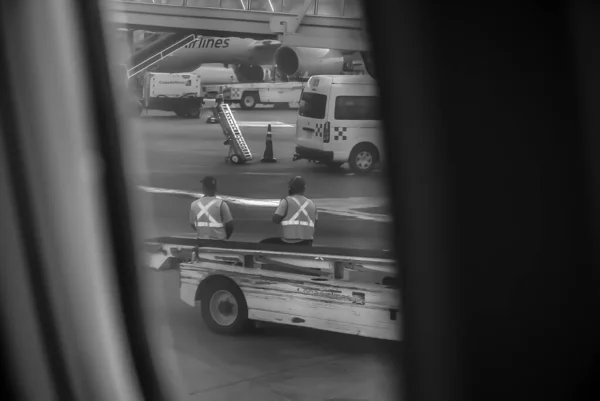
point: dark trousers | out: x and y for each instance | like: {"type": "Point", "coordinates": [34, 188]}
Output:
{"type": "Point", "coordinates": [279, 241]}
{"type": "Point", "coordinates": [278, 267]}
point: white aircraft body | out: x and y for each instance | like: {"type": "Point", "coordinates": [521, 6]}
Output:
{"type": "Point", "coordinates": [247, 58]}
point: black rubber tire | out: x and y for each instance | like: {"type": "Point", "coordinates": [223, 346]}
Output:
{"type": "Point", "coordinates": [235, 159]}
{"type": "Point", "coordinates": [367, 148]}
{"type": "Point", "coordinates": [241, 323]}
{"type": "Point", "coordinates": [194, 113]}
{"type": "Point", "coordinates": [180, 113]}
{"type": "Point", "coordinates": [250, 96]}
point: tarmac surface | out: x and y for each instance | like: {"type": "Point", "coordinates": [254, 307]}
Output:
{"type": "Point", "coordinates": [176, 153]}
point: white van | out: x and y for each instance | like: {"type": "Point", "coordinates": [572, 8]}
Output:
{"type": "Point", "coordinates": [339, 122]}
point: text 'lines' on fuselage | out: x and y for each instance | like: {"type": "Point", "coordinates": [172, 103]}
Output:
{"type": "Point", "coordinates": [209, 43]}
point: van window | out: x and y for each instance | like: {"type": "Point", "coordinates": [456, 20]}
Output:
{"type": "Point", "coordinates": [357, 108]}
{"type": "Point", "coordinates": [314, 105]}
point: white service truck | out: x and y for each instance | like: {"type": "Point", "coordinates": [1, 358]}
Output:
{"type": "Point", "coordinates": [179, 93]}
{"type": "Point", "coordinates": [281, 94]}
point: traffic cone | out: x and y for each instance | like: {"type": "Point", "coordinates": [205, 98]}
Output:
{"type": "Point", "coordinates": [268, 155]}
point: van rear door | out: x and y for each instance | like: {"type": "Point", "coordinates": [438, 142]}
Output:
{"type": "Point", "coordinates": [312, 115]}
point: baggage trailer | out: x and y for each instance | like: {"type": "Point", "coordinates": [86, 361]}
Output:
{"type": "Point", "coordinates": [340, 290]}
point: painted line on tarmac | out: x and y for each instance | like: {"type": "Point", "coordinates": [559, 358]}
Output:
{"type": "Point", "coordinates": [353, 174]}
{"type": "Point", "coordinates": [272, 203]}
{"type": "Point", "coordinates": [277, 124]}
{"type": "Point", "coordinates": [257, 173]}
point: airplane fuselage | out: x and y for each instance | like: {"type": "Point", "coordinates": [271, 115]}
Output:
{"type": "Point", "coordinates": [207, 50]}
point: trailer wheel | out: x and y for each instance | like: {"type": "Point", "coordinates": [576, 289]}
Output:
{"type": "Point", "coordinates": [224, 307]}
{"type": "Point", "coordinates": [235, 159]}
{"type": "Point", "coordinates": [248, 100]}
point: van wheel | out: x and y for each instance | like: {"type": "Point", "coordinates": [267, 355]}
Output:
{"type": "Point", "coordinates": [363, 158]}
{"type": "Point", "coordinates": [224, 308]}
{"type": "Point", "coordinates": [249, 100]}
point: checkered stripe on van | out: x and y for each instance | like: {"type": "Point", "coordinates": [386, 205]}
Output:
{"type": "Point", "coordinates": [339, 134]}
{"type": "Point", "coordinates": [319, 130]}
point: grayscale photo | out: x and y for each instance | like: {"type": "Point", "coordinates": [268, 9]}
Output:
{"type": "Point", "coordinates": [269, 221]}
{"type": "Point", "coordinates": [299, 200]}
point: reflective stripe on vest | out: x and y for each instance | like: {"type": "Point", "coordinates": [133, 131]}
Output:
{"type": "Point", "coordinates": [212, 222]}
{"type": "Point", "coordinates": [293, 221]}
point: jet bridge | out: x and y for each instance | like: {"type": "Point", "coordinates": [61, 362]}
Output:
{"type": "Point", "coordinates": [333, 24]}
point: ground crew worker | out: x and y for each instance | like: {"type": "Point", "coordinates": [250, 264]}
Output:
{"type": "Point", "coordinates": [219, 100]}
{"type": "Point", "coordinates": [215, 110]}
{"type": "Point", "coordinates": [210, 217]}
{"type": "Point", "coordinates": [297, 215]}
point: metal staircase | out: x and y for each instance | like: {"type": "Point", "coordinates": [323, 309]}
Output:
{"type": "Point", "coordinates": [239, 152]}
{"type": "Point", "coordinates": [144, 65]}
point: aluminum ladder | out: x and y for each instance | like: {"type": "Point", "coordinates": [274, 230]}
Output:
{"type": "Point", "coordinates": [144, 65]}
{"type": "Point", "coordinates": [239, 152]}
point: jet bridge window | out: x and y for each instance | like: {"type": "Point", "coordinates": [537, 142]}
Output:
{"type": "Point", "coordinates": [313, 105]}
{"type": "Point", "coordinates": [357, 108]}
{"type": "Point", "coordinates": [331, 8]}
{"type": "Point", "coordinates": [227, 4]}
{"type": "Point", "coordinates": [266, 5]}
{"type": "Point", "coordinates": [295, 7]}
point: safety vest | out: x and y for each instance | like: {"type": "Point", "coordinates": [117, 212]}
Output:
{"type": "Point", "coordinates": [209, 224]}
{"type": "Point", "coordinates": [299, 221]}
